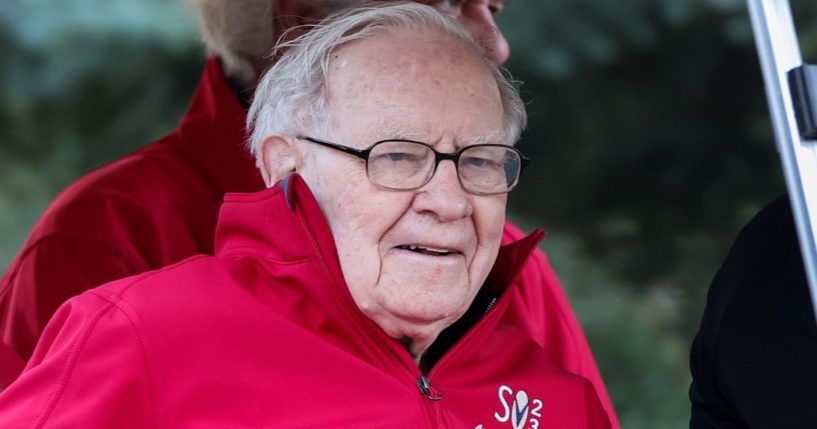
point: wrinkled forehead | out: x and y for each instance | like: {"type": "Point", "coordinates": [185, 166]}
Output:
{"type": "Point", "coordinates": [409, 82]}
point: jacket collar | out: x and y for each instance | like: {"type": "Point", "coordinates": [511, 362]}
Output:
{"type": "Point", "coordinates": [283, 226]}
{"type": "Point", "coordinates": [283, 223]}
{"type": "Point", "coordinates": [212, 134]}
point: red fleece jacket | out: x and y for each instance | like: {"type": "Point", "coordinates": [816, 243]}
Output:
{"type": "Point", "coordinates": [159, 205]}
{"type": "Point", "coordinates": [266, 334]}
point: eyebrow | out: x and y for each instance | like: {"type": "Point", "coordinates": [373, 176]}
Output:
{"type": "Point", "coordinates": [495, 136]}
{"type": "Point", "coordinates": [393, 132]}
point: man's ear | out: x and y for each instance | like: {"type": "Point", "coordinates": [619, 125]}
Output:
{"type": "Point", "coordinates": [277, 158]}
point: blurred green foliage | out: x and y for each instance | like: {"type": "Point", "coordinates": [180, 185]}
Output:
{"type": "Point", "coordinates": [652, 148]}
{"type": "Point", "coordinates": [649, 134]}
{"type": "Point", "coordinates": [81, 83]}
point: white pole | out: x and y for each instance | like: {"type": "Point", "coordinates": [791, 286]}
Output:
{"type": "Point", "coordinates": [779, 52]}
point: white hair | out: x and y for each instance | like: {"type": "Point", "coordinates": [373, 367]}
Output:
{"type": "Point", "coordinates": [242, 32]}
{"type": "Point", "coordinates": [291, 98]}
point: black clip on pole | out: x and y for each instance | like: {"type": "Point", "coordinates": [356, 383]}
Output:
{"type": "Point", "coordinates": [803, 86]}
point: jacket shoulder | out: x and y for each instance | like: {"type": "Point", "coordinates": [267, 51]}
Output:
{"type": "Point", "coordinates": [89, 370]}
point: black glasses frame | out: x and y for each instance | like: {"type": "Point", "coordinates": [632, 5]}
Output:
{"type": "Point", "coordinates": [438, 157]}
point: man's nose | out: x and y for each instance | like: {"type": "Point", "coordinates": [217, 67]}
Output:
{"type": "Point", "coordinates": [478, 18]}
{"type": "Point", "coordinates": [443, 196]}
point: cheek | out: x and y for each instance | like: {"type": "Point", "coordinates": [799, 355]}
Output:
{"type": "Point", "coordinates": [489, 220]}
{"type": "Point", "coordinates": [356, 214]}
{"type": "Point", "coordinates": [337, 185]}
{"type": "Point", "coordinates": [359, 216]}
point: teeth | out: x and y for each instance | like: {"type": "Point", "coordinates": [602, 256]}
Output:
{"type": "Point", "coordinates": [414, 248]}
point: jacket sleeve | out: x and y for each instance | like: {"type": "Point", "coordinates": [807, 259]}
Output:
{"type": "Point", "coordinates": [45, 275]}
{"type": "Point", "coordinates": [559, 332]}
{"type": "Point", "coordinates": [711, 407]}
{"type": "Point", "coordinates": [753, 359]}
{"type": "Point", "coordinates": [89, 370]}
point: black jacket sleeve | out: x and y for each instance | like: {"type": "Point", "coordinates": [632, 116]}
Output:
{"type": "Point", "coordinates": [754, 359]}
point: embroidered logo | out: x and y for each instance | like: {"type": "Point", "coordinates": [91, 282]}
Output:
{"type": "Point", "coordinates": [519, 414]}
{"type": "Point", "coordinates": [518, 409]}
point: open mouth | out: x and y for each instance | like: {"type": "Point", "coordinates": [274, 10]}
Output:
{"type": "Point", "coordinates": [431, 251]}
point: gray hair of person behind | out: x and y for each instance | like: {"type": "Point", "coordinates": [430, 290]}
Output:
{"type": "Point", "coordinates": [242, 32]}
{"type": "Point", "coordinates": [291, 97]}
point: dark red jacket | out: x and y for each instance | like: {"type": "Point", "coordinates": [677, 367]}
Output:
{"type": "Point", "coordinates": [159, 205]}
{"type": "Point", "coordinates": [266, 334]}
{"type": "Point", "coordinates": [152, 208]}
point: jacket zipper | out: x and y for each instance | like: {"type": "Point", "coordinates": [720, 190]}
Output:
{"type": "Point", "coordinates": [488, 315]}
{"type": "Point", "coordinates": [427, 389]}
{"type": "Point", "coordinates": [432, 402]}
{"type": "Point", "coordinates": [423, 383]}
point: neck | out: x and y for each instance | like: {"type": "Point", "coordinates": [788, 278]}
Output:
{"type": "Point", "coordinates": [416, 349]}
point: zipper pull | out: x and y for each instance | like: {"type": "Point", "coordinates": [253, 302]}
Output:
{"type": "Point", "coordinates": [425, 388]}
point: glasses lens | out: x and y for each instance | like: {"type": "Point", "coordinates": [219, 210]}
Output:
{"type": "Point", "coordinates": [400, 165]}
{"type": "Point", "coordinates": [489, 169]}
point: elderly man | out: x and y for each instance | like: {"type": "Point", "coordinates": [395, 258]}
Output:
{"type": "Point", "coordinates": [159, 205]}
{"type": "Point", "coordinates": [365, 289]}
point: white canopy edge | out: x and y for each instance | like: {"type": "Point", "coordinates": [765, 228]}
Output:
{"type": "Point", "coordinates": [779, 52]}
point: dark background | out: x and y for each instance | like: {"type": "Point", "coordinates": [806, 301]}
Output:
{"type": "Point", "coordinates": [649, 134]}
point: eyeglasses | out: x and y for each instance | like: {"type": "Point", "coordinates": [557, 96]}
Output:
{"type": "Point", "coordinates": [402, 165]}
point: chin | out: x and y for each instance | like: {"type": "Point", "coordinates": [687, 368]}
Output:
{"type": "Point", "coordinates": [429, 314]}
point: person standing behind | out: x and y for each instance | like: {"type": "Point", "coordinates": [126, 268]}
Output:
{"type": "Point", "coordinates": [159, 205]}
